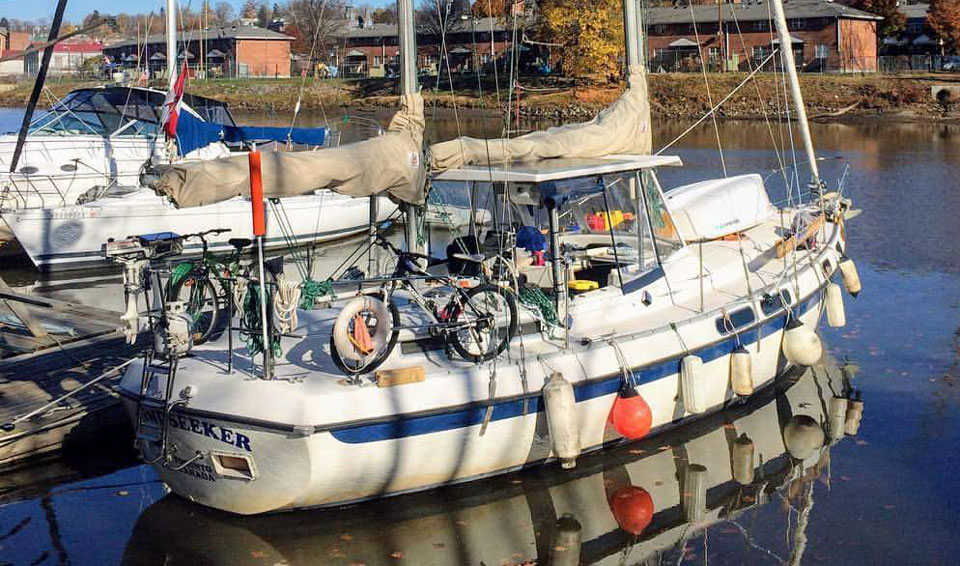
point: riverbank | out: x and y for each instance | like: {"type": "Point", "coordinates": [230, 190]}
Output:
{"type": "Point", "coordinates": [674, 95]}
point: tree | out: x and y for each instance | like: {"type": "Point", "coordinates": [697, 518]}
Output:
{"type": "Point", "coordinates": [590, 32]}
{"type": "Point", "coordinates": [264, 17]}
{"type": "Point", "coordinates": [491, 8]}
{"type": "Point", "coordinates": [249, 10]}
{"type": "Point", "coordinates": [223, 12]}
{"type": "Point", "coordinates": [315, 23]}
{"type": "Point", "coordinates": [4, 23]}
{"type": "Point", "coordinates": [385, 15]}
{"type": "Point", "coordinates": [944, 19]}
{"type": "Point", "coordinates": [893, 19]}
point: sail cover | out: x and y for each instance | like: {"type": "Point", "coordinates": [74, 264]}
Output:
{"type": "Point", "coordinates": [390, 164]}
{"type": "Point", "coordinates": [623, 127]}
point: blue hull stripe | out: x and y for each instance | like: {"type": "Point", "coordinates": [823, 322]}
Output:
{"type": "Point", "coordinates": [474, 415]}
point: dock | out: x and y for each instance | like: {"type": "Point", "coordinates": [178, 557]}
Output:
{"type": "Point", "coordinates": [56, 378]}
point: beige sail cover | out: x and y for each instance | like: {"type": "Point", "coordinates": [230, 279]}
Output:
{"type": "Point", "coordinates": [623, 127]}
{"type": "Point", "coordinates": [390, 163]}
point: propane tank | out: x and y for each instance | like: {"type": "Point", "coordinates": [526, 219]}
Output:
{"type": "Point", "coordinates": [741, 459]}
{"type": "Point", "coordinates": [694, 496]}
{"type": "Point", "coordinates": [175, 337]}
{"type": "Point", "coordinates": [566, 548]}
{"type": "Point", "coordinates": [851, 279]}
{"type": "Point", "coordinates": [741, 371]}
{"type": "Point", "coordinates": [633, 509]}
{"type": "Point", "coordinates": [692, 384]}
{"type": "Point", "coordinates": [854, 414]}
{"type": "Point", "coordinates": [801, 345]}
{"type": "Point", "coordinates": [836, 317]}
{"type": "Point", "coordinates": [631, 415]}
{"type": "Point", "coordinates": [802, 437]}
{"type": "Point", "coordinates": [561, 408]}
{"type": "Point", "coordinates": [837, 415]}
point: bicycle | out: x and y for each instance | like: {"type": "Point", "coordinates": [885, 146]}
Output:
{"type": "Point", "coordinates": [204, 302]}
{"type": "Point", "coordinates": [477, 323]}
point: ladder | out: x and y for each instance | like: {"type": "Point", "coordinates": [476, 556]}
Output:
{"type": "Point", "coordinates": [154, 406]}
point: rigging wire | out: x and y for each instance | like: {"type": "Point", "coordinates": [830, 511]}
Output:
{"type": "Point", "coordinates": [706, 83]}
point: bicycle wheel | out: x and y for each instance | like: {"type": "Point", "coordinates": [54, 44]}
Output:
{"type": "Point", "coordinates": [349, 362]}
{"type": "Point", "coordinates": [489, 318]}
{"type": "Point", "coordinates": [202, 302]}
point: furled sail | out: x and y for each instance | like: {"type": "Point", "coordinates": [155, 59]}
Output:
{"type": "Point", "coordinates": [390, 164]}
{"type": "Point", "coordinates": [623, 127]}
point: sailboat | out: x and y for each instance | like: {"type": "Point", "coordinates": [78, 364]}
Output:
{"type": "Point", "coordinates": [79, 182]}
{"type": "Point", "coordinates": [637, 504]}
{"type": "Point", "coordinates": [640, 311]}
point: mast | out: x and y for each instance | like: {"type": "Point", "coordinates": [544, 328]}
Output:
{"type": "Point", "coordinates": [408, 85]}
{"type": "Point", "coordinates": [786, 53]}
{"type": "Point", "coordinates": [171, 40]}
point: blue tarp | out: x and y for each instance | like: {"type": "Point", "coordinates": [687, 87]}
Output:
{"type": "Point", "coordinates": [193, 133]}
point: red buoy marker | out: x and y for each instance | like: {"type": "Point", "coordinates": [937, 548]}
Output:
{"type": "Point", "coordinates": [633, 509]}
{"type": "Point", "coordinates": [631, 415]}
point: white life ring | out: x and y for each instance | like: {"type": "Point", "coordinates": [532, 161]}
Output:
{"type": "Point", "coordinates": [381, 333]}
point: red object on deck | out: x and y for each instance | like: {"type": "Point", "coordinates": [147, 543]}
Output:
{"type": "Point", "coordinates": [633, 509]}
{"type": "Point", "coordinates": [631, 415]}
{"type": "Point", "coordinates": [256, 195]}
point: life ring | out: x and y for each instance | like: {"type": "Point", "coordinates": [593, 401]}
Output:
{"type": "Point", "coordinates": [343, 338]}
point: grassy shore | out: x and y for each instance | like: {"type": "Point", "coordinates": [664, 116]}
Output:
{"type": "Point", "coordinates": [828, 97]}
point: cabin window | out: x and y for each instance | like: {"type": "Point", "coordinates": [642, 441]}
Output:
{"type": "Point", "coordinates": [735, 320]}
{"type": "Point", "coordinates": [771, 304]}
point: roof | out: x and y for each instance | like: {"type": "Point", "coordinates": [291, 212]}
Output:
{"type": "Point", "coordinates": [755, 10]}
{"type": "Point", "coordinates": [76, 47]}
{"type": "Point", "coordinates": [914, 11]}
{"type": "Point", "coordinates": [555, 169]}
{"type": "Point", "coordinates": [390, 30]}
{"type": "Point", "coordinates": [232, 32]}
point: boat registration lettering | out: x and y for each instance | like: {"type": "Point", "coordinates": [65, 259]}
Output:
{"type": "Point", "coordinates": [210, 430]}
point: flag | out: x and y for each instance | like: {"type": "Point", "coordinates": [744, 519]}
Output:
{"type": "Point", "coordinates": [171, 104]}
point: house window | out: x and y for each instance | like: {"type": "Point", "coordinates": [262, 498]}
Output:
{"type": "Point", "coordinates": [377, 61]}
{"type": "Point", "coordinates": [714, 53]}
{"type": "Point", "coordinates": [659, 29]}
{"type": "Point", "coordinates": [761, 25]}
{"type": "Point", "coordinates": [821, 51]}
{"type": "Point", "coordinates": [759, 51]}
{"type": "Point", "coordinates": [797, 23]}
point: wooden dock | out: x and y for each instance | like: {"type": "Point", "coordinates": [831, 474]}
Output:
{"type": "Point", "coordinates": [51, 356]}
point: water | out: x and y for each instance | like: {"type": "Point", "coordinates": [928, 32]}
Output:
{"type": "Point", "coordinates": [886, 496]}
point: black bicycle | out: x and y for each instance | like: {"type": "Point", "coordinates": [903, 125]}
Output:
{"type": "Point", "coordinates": [476, 322]}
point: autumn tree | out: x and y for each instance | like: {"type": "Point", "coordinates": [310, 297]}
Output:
{"type": "Point", "coordinates": [314, 24]}
{"type": "Point", "coordinates": [249, 10]}
{"type": "Point", "coordinates": [264, 16]}
{"type": "Point", "coordinates": [223, 12]}
{"type": "Point", "coordinates": [944, 19]}
{"type": "Point", "coordinates": [893, 19]}
{"type": "Point", "coordinates": [491, 8]}
{"type": "Point", "coordinates": [385, 15]}
{"type": "Point", "coordinates": [590, 33]}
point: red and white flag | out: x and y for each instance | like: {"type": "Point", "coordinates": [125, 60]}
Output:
{"type": "Point", "coordinates": [171, 105]}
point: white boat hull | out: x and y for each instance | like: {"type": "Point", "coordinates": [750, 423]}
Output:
{"type": "Point", "coordinates": [71, 237]}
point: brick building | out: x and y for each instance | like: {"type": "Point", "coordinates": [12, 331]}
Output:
{"type": "Point", "coordinates": [12, 43]}
{"type": "Point", "coordinates": [825, 36]}
{"type": "Point", "coordinates": [236, 51]}
{"type": "Point", "coordinates": [371, 50]}
{"type": "Point", "coordinates": [68, 56]}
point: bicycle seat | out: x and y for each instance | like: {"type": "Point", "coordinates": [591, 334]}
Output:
{"type": "Point", "coordinates": [475, 258]}
{"type": "Point", "coordinates": [239, 243]}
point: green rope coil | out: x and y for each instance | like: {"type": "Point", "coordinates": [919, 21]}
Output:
{"type": "Point", "coordinates": [535, 298]}
{"type": "Point", "coordinates": [311, 290]}
{"type": "Point", "coordinates": [253, 335]}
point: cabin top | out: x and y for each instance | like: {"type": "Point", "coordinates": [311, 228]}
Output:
{"type": "Point", "coordinates": [545, 170]}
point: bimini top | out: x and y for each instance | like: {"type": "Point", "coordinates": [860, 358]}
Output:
{"type": "Point", "coordinates": [544, 170]}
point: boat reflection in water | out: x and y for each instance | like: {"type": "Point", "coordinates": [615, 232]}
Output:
{"type": "Point", "coordinates": [636, 503]}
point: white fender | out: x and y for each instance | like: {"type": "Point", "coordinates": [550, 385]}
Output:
{"type": "Point", "coordinates": [801, 345]}
{"type": "Point", "coordinates": [694, 497]}
{"type": "Point", "coordinates": [802, 437]}
{"type": "Point", "coordinates": [561, 407]}
{"type": "Point", "coordinates": [380, 335]}
{"type": "Point", "coordinates": [692, 389]}
{"type": "Point", "coordinates": [837, 415]}
{"type": "Point", "coordinates": [854, 415]}
{"type": "Point", "coordinates": [741, 371]}
{"type": "Point", "coordinates": [836, 317]}
{"type": "Point", "coordinates": [742, 460]}
{"type": "Point", "coordinates": [851, 279]}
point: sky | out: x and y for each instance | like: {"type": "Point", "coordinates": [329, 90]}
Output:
{"type": "Point", "coordinates": [77, 9]}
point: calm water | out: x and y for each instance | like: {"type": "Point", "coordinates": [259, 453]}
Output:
{"type": "Point", "coordinates": [887, 496]}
